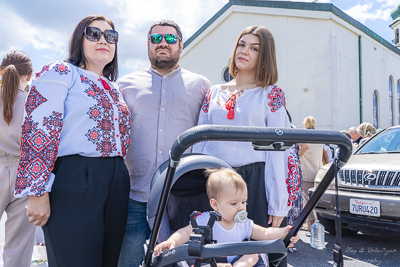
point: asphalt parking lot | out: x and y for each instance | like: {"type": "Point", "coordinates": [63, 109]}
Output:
{"type": "Point", "coordinates": [359, 250]}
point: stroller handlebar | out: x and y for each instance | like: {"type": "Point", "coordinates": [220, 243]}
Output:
{"type": "Point", "coordinates": [180, 253]}
{"type": "Point", "coordinates": [260, 135]}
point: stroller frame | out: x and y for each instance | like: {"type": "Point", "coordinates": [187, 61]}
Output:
{"type": "Point", "coordinates": [262, 138]}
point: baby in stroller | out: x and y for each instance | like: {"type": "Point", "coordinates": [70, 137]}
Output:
{"type": "Point", "coordinates": [227, 193]}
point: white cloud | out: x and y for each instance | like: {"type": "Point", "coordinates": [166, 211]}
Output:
{"type": "Point", "coordinates": [21, 33]}
{"type": "Point", "coordinates": [135, 18]}
{"type": "Point", "coordinates": [369, 10]}
{"type": "Point", "coordinates": [42, 28]}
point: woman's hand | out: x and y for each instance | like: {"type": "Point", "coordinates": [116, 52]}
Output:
{"type": "Point", "coordinates": [275, 220]}
{"type": "Point", "coordinates": [38, 209]}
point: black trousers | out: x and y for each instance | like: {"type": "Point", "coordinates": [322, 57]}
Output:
{"type": "Point", "coordinates": [257, 208]}
{"type": "Point", "coordinates": [89, 205]}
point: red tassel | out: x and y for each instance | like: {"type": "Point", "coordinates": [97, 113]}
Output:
{"type": "Point", "coordinates": [105, 84]}
{"type": "Point", "coordinates": [229, 104]}
{"type": "Point", "coordinates": [231, 114]}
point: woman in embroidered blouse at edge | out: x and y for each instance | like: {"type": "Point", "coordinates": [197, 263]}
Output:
{"type": "Point", "coordinates": [251, 99]}
{"type": "Point", "coordinates": [74, 137]}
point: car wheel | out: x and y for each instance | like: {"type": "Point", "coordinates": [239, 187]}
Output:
{"type": "Point", "coordinates": [348, 232]}
{"type": "Point", "coordinates": [328, 224]}
{"type": "Point", "coordinates": [330, 227]}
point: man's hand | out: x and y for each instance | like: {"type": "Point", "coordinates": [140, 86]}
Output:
{"type": "Point", "coordinates": [38, 209]}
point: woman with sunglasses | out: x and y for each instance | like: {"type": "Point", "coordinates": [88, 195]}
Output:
{"type": "Point", "coordinates": [252, 99]}
{"type": "Point", "coordinates": [75, 134]}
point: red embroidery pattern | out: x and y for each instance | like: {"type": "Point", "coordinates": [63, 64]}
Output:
{"type": "Point", "coordinates": [45, 68]}
{"type": "Point", "coordinates": [38, 140]}
{"type": "Point", "coordinates": [293, 178]}
{"type": "Point", "coordinates": [206, 102]}
{"type": "Point", "coordinates": [61, 69]}
{"type": "Point", "coordinates": [104, 134]}
{"type": "Point", "coordinates": [84, 79]}
{"type": "Point", "coordinates": [33, 100]}
{"type": "Point", "coordinates": [124, 121]}
{"type": "Point", "coordinates": [277, 97]}
{"type": "Point", "coordinates": [39, 153]}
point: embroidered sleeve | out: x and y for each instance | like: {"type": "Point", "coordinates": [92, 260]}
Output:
{"type": "Point", "coordinates": [206, 102]}
{"type": "Point", "coordinates": [275, 171]}
{"type": "Point", "coordinates": [293, 175]}
{"type": "Point", "coordinates": [276, 99]}
{"type": "Point", "coordinates": [203, 119]}
{"type": "Point", "coordinates": [41, 130]}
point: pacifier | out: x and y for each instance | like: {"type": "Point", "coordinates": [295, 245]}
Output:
{"type": "Point", "coordinates": [241, 217]}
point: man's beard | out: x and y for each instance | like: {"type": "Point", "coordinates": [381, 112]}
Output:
{"type": "Point", "coordinates": [163, 62]}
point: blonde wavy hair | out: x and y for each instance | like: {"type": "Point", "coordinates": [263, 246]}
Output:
{"type": "Point", "coordinates": [309, 122]}
{"type": "Point", "coordinates": [366, 130]}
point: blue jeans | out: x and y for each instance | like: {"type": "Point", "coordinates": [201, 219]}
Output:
{"type": "Point", "coordinates": [137, 231]}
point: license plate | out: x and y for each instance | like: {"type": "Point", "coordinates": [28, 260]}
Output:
{"type": "Point", "coordinates": [365, 207]}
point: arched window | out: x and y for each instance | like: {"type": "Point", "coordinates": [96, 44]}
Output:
{"type": "Point", "coordinates": [391, 107]}
{"type": "Point", "coordinates": [396, 36]}
{"type": "Point", "coordinates": [226, 76]}
{"type": "Point", "coordinates": [398, 101]}
{"type": "Point", "coordinates": [375, 109]}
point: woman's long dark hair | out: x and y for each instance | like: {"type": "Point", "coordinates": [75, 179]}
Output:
{"type": "Point", "coordinates": [14, 64]}
{"type": "Point", "coordinates": [76, 55]}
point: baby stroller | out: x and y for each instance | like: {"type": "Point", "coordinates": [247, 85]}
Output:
{"type": "Point", "coordinates": [178, 188]}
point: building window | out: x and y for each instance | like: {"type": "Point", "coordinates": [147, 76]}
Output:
{"type": "Point", "coordinates": [226, 76]}
{"type": "Point", "coordinates": [375, 109]}
{"type": "Point", "coordinates": [391, 106]}
{"type": "Point", "coordinates": [396, 36]}
{"type": "Point", "coordinates": [398, 101]}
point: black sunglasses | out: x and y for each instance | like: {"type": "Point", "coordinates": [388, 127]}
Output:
{"type": "Point", "coordinates": [169, 38]}
{"type": "Point", "coordinates": [94, 34]}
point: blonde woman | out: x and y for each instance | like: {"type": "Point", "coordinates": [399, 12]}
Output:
{"type": "Point", "coordinates": [311, 162]}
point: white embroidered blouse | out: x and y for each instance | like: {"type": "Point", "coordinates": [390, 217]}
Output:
{"type": "Point", "coordinates": [264, 107]}
{"type": "Point", "coordinates": [68, 111]}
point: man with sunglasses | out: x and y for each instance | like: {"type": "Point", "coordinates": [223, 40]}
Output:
{"type": "Point", "coordinates": [164, 101]}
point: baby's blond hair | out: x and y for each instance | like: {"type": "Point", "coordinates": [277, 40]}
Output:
{"type": "Point", "coordinates": [219, 179]}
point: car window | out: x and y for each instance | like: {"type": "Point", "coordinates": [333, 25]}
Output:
{"type": "Point", "coordinates": [387, 141]}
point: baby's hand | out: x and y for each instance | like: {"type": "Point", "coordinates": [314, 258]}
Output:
{"type": "Point", "coordinates": [166, 245]}
{"type": "Point", "coordinates": [295, 238]}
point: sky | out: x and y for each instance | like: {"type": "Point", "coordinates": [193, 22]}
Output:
{"type": "Point", "coordinates": [42, 28]}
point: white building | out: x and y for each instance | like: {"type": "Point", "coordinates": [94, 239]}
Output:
{"type": "Point", "coordinates": [330, 66]}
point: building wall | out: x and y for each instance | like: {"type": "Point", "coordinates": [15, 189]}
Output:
{"type": "Point", "coordinates": [318, 62]}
